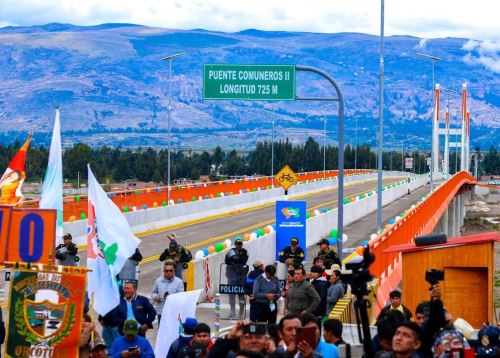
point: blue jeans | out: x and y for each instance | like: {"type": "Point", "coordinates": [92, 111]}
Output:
{"type": "Point", "coordinates": [109, 334]}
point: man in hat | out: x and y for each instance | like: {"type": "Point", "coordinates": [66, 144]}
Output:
{"type": "Point", "coordinates": [328, 256]}
{"type": "Point", "coordinates": [66, 252]}
{"type": "Point", "coordinates": [236, 271]}
{"type": "Point", "coordinates": [178, 254]}
{"type": "Point", "coordinates": [292, 255]}
{"type": "Point", "coordinates": [258, 270]}
{"type": "Point", "coordinates": [98, 349]}
{"type": "Point", "coordinates": [188, 327]}
{"type": "Point", "coordinates": [131, 344]}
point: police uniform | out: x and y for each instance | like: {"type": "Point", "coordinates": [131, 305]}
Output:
{"type": "Point", "coordinates": [177, 254]}
{"type": "Point", "coordinates": [296, 256]}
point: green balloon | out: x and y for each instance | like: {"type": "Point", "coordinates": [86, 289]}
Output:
{"type": "Point", "coordinates": [308, 215]}
{"type": "Point", "coordinates": [136, 191]}
{"type": "Point", "coordinates": [179, 187]}
{"type": "Point", "coordinates": [125, 209]}
{"type": "Point", "coordinates": [77, 198]}
{"type": "Point", "coordinates": [83, 216]}
{"type": "Point", "coordinates": [219, 247]}
{"type": "Point", "coordinates": [163, 203]}
{"type": "Point", "coordinates": [260, 232]}
{"type": "Point", "coordinates": [334, 233]}
{"type": "Point", "coordinates": [193, 198]}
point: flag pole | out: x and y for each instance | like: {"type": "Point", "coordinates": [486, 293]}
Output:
{"type": "Point", "coordinates": [92, 317]}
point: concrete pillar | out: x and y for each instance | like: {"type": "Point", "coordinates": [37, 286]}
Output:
{"type": "Point", "coordinates": [452, 222]}
{"type": "Point", "coordinates": [444, 222]}
{"type": "Point", "coordinates": [458, 214]}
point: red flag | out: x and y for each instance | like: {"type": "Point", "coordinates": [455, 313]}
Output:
{"type": "Point", "coordinates": [13, 178]}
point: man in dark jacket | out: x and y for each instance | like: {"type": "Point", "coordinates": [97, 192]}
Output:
{"type": "Point", "coordinates": [258, 269]}
{"type": "Point", "coordinates": [329, 256]}
{"type": "Point", "coordinates": [292, 255]}
{"type": "Point", "coordinates": [178, 254]}
{"type": "Point", "coordinates": [395, 298]}
{"type": "Point", "coordinates": [321, 286]}
{"type": "Point", "coordinates": [236, 272]}
{"type": "Point", "coordinates": [66, 252]}
{"type": "Point", "coordinates": [184, 339]}
{"type": "Point", "coordinates": [302, 297]}
{"type": "Point", "coordinates": [136, 307]}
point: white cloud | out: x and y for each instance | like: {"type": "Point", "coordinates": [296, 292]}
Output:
{"type": "Point", "coordinates": [485, 53]}
{"type": "Point", "coordinates": [423, 18]}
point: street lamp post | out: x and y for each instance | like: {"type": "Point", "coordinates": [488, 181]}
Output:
{"type": "Point", "coordinates": [434, 59]}
{"type": "Point", "coordinates": [169, 109]}
{"type": "Point", "coordinates": [272, 156]}
{"type": "Point", "coordinates": [324, 147]}
{"type": "Point", "coordinates": [356, 147]}
{"type": "Point", "coordinates": [380, 118]}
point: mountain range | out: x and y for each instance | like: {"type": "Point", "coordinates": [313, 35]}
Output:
{"type": "Point", "coordinates": [112, 86]}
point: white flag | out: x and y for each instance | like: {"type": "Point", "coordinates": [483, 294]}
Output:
{"type": "Point", "coordinates": [110, 243]}
{"type": "Point", "coordinates": [177, 308]}
{"type": "Point", "coordinates": [52, 190]}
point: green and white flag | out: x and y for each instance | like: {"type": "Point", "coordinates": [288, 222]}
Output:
{"type": "Point", "coordinates": [111, 240]}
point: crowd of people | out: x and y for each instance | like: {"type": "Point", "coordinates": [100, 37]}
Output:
{"type": "Point", "coordinates": [302, 329]}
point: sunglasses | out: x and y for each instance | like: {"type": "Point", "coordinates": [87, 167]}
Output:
{"type": "Point", "coordinates": [168, 270]}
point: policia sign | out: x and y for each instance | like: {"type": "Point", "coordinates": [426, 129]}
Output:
{"type": "Point", "coordinates": [231, 289]}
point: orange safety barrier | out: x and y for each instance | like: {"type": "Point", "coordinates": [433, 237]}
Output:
{"type": "Point", "coordinates": [419, 220]}
{"type": "Point", "coordinates": [75, 207]}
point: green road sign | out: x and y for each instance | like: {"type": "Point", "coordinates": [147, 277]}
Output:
{"type": "Point", "coordinates": [249, 82]}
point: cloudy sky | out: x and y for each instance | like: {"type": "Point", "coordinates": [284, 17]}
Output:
{"type": "Point", "coordinates": [477, 19]}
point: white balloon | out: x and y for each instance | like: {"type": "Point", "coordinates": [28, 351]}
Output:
{"type": "Point", "coordinates": [134, 208]}
{"type": "Point", "coordinates": [253, 235]}
{"type": "Point", "coordinates": [271, 229]}
{"type": "Point", "coordinates": [222, 194]}
{"type": "Point", "coordinates": [204, 185]}
{"type": "Point", "coordinates": [200, 198]}
{"type": "Point", "coordinates": [316, 212]}
{"type": "Point", "coordinates": [373, 236]}
{"type": "Point", "coordinates": [397, 218]}
{"type": "Point", "coordinates": [198, 255]}
{"type": "Point", "coordinates": [241, 191]}
{"type": "Point", "coordinates": [171, 202]}
{"type": "Point", "coordinates": [344, 237]}
{"type": "Point", "coordinates": [228, 243]}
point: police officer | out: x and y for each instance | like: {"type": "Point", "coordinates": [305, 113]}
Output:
{"type": "Point", "coordinates": [292, 255]}
{"type": "Point", "coordinates": [328, 256]}
{"type": "Point", "coordinates": [66, 252]}
{"type": "Point", "coordinates": [236, 271]}
{"type": "Point", "coordinates": [178, 254]}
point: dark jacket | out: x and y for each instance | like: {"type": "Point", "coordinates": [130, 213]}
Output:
{"type": "Point", "coordinates": [301, 297]}
{"type": "Point", "coordinates": [224, 347]}
{"type": "Point", "coordinates": [297, 256]}
{"type": "Point", "coordinates": [144, 311]}
{"type": "Point", "coordinates": [178, 345]}
{"type": "Point", "coordinates": [236, 269]}
{"type": "Point", "coordinates": [109, 319]}
{"type": "Point", "coordinates": [406, 312]}
{"type": "Point", "coordinates": [252, 276]}
{"type": "Point", "coordinates": [321, 286]}
{"type": "Point", "coordinates": [329, 258]}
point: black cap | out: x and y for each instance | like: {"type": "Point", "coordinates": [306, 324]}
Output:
{"type": "Point", "coordinates": [323, 241]}
{"type": "Point", "coordinates": [295, 240]}
{"type": "Point", "coordinates": [68, 236]}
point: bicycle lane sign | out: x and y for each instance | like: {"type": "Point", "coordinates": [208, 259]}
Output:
{"type": "Point", "coordinates": [286, 177]}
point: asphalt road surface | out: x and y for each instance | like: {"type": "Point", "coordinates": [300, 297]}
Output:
{"type": "Point", "coordinates": [201, 234]}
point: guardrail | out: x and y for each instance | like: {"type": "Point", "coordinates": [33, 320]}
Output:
{"type": "Point", "coordinates": [418, 220]}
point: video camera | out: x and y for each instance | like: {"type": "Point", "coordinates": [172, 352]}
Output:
{"type": "Point", "coordinates": [433, 276]}
{"type": "Point", "coordinates": [358, 274]}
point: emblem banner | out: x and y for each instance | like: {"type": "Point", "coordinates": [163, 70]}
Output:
{"type": "Point", "coordinates": [45, 312]}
